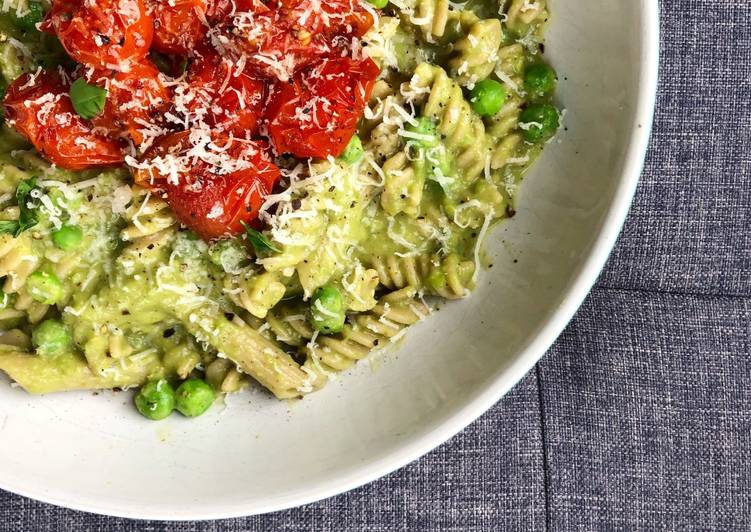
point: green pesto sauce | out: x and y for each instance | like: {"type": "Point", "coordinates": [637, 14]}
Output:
{"type": "Point", "coordinates": [145, 304]}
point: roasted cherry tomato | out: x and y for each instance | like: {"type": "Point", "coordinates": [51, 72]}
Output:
{"type": "Point", "coordinates": [281, 39]}
{"type": "Point", "coordinates": [328, 17]}
{"type": "Point", "coordinates": [225, 98]}
{"type": "Point", "coordinates": [136, 100]}
{"type": "Point", "coordinates": [317, 114]}
{"type": "Point", "coordinates": [38, 107]}
{"type": "Point", "coordinates": [218, 10]}
{"type": "Point", "coordinates": [179, 25]}
{"type": "Point", "coordinates": [215, 184]}
{"type": "Point", "coordinates": [265, 40]}
{"type": "Point", "coordinates": [110, 34]}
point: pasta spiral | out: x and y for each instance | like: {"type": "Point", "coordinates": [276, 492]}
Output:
{"type": "Point", "coordinates": [17, 257]}
{"type": "Point", "coordinates": [289, 324]}
{"type": "Point", "coordinates": [383, 119]}
{"type": "Point", "coordinates": [150, 220]}
{"type": "Point", "coordinates": [14, 338]}
{"type": "Point", "coordinates": [501, 129]}
{"type": "Point", "coordinates": [403, 186]}
{"type": "Point", "coordinates": [17, 263]}
{"type": "Point", "coordinates": [183, 359]}
{"type": "Point", "coordinates": [224, 376]}
{"type": "Point", "coordinates": [460, 127]}
{"type": "Point", "coordinates": [255, 292]}
{"type": "Point", "coordinates": [523, 15]}
{"type": "Point", "coordinates": [476, 54]}
{"type": "Point", "coordinates": [360, 285]}
{"type": "Point", "coordinates": [384, 323]}
{"type": "Point", "coordinates": [448, 278]}
{"type": "Point", "coordinates": [34, 310]}
{"type": "Point", "coordinates": [327, 354]}
{"type": "Point", "coordinates": [434, 17]}
{"type": "Point", "coordinates": [109, 355]}
{"type": "Point", "coordinates": [510, 66]}
{"type": "Point", "coordinates": [431, 16]}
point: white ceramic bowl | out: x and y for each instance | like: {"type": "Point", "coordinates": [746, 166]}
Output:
{"type": "Point", "coordinates": [258, 455]}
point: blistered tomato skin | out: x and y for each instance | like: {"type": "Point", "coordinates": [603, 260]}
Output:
{"type": "Point", "coordinates": [280, 39]}
{"type": "Point", "coordinates": [317, 114]}
{"type": "Point", "coordinates": [134, 98]}
{"type": "Point", "coordinates": [233, 101]}
{"type": "Point", "coordinates": [108, 34]}
{"type": "Point", "coordinates": [179, 26]}
{"type": "Point", "coordinates": [267, 40]}
{"type": "Point", "coordinates": [40, 109]}
{"type": "Point", "coordinates": [328, 17]}
{"type": "Point", "coordinates": [210, 203]}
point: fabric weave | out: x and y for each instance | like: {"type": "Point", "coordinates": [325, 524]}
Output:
{"type": "Point", "coordinates": [639, 418]}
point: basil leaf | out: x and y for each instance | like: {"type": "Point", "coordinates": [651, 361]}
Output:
{"type": "Point", "coordinates": [24, 188]}
{"type": "Point", "coordinates": [88, 100]}
{"type": "Point", "coordinates": [259, 241]}
{"type": "Point", "coordinates": [9, 226]}
{"type": "Point", "coordinates": [33, 16]}
{"type": "Point", "coordinates": [27, 217]}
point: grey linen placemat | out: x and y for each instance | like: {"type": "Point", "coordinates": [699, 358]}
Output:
{"type": "Point", "coordinates": [639, 418]}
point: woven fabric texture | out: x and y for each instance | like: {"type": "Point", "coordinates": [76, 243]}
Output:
{"type": "Point", "coordinates": [639, 418]}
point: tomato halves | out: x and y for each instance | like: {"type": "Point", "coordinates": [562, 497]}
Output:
{"type": "Point", "coordinates": [265, 40]}
{"type": "Point", "coordinates": [279, 39]}
{"type": "Point", "coordinates": [317, 114]}
{"type": "Point", "coordinates": [328, 17]}
{"type": "Point", "coordinates": [38, 107]}
{"type": "Point", "coordinates": [215, 192]}
{"type": "Point", "coordinates": [109, 34]}
{"type": "Point", "coordinates": [136, 100]}
{"type": "Point", "coordinates": [230, 101]}
{"type": "Point", "coordinates": [179, 25]}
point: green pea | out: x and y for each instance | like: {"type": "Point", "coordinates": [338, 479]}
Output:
{"type": "Point", "coordinates": [379, 4]}
{"type": "Point", "coordinates": [51, 337]}
{"type": "Point", "coordinates": [353, 152]}
{"type": "Point", "coordinates": [156, 400]}
{"type": "Point", "coordinates": [539, 80]}
{"type": "Point", "coordinates": [45, 287]}
{"type": "Point", "coordinates": [68, 237]}
{"type": "Point", "coordinates": [194, 397]}
{"type": "Point", "coordinates": [34, 16]}
{"type": "Point", "coordinates": [487, 97]}
{"type": "Point", "coordinates": [539, 122]}
{"type": "Point", "coordinates": [428, 132]}
{"type": "Point", "coordinates": [327, 310]}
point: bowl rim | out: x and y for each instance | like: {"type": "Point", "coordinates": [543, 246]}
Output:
{"type": "Point", "coordinates": [486, 397]}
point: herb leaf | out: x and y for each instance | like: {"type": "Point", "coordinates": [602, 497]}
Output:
{"type": "Point", "coordinates": [33, 16]}
{"type": "Point", "coordinates": [259, 241]}
{"type": "Point", "coordinates": [27, 216]}
{"type": "Point", "coordinates": [9, 226]}
{"type": "Point", "coordinates": [88, 100]}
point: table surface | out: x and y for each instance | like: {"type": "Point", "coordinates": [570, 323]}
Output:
{"type": "Point", "coordinates": [639, 417]}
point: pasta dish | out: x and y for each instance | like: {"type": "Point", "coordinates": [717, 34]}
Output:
{"type": "Point", "coordinates": [202, 194]}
